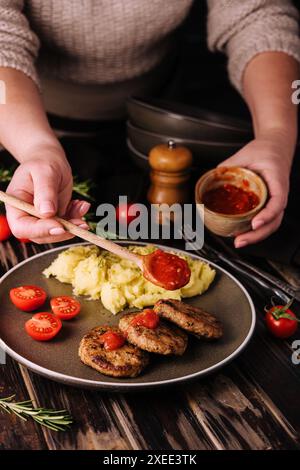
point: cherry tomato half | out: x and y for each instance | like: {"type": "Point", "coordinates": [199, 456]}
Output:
{"type": "Point", "coordinates": [65, 307]}
{"type": "Point", "coordinates": [28, 298]}
{"type": "Point", "coordinates": [281, 321]}
{"type": "Point", "coordinates": [124, 213]}
{"type": "Point", "coordinates": [5, 231]}
{"type": "Point", "coordinates": [112, 340]}
{"type": "Point", "coordinates": [43, 326]}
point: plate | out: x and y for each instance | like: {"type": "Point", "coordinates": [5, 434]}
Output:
{"type": "Point", "coordinates": [58, 359]}
{"type": "Point", "coordinates": [205, 153]}
{"type": "Point", "coordinates": [186, 122]}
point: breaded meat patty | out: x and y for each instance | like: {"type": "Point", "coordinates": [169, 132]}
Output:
{"type": "Point", "coordinates": [164, 339]}
{"type": "Point", "coordinates": [126, 361]}
{"type": "Point", "coordinates": [192, 319]}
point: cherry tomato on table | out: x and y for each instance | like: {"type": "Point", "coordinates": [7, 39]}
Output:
{"type": "Point", "coordinates": [281, 321]}
{"type": "Point", "coordinates": [65, 307]}
{"type": "Point", "coordinates": [124, 213]}
{"type": "Point", "coordinates": [28, 298]}
{"type": "Point", "coordinates": [5, 231]}
{"type": "Point", "coordinates": [43, 326]}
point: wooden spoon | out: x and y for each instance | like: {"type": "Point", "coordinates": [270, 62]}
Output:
{"type": "Point", "coordinates": [179, 272]}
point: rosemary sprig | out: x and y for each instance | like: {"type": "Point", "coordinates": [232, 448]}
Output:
{"type": "Point", "coordinates": [56, 420]}
{"type": "Point", "coordinates": [6, 174]}
{"type": "Point", "coordinates": [83, 188]}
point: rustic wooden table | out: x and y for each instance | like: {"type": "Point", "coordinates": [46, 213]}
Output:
{"type": "Point", "coordinates": [253, 403]}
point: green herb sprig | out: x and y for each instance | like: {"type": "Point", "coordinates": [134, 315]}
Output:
{"type": "Point", "coordinates": [83, 188]}
{"type": "Point", "coordinates": [56, 420]}
{"type": "Point", "coordinates": [6, 174]}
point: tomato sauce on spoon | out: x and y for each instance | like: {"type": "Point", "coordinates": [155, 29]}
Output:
{"type": "Point", "coordinates": [166, 270]}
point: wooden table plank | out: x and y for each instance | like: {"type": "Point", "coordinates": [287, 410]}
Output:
{"type": "Point", "coordinates": [95, 426]}
{"type": "Point", "coordinates": [271, 371]}
{"type": "Point", "coordinates": [161, 419]}
{"type": "Point", "coordinates": [237, 416]}
{"type": "Point", "coordinates": [147, 420]}
{"type": "Point", "coordinates": [268, 361]}
{"type": "Point", "coordinates": [14, 432]}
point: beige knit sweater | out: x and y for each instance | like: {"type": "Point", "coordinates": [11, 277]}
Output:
{"type": "Point", "coordinates": [108, 41]}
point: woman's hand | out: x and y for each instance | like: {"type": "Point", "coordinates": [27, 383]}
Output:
{"type": "Point", "coordinates": [47, 183]}
{"type": "Point", "coordinates": [267, 155]}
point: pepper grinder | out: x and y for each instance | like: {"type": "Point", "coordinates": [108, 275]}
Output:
{"type": "Point", "coordinates": [170, 171]}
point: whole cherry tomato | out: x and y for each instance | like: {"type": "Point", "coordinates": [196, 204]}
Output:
{"type": "Point", "coordinates": [5, 231]}
{"type": "Point", "coordinates": [126, 213]}
{"type": "Point", "coordinates": [24, 240]}
{"type": "Point", "coordinates": [281, 321]}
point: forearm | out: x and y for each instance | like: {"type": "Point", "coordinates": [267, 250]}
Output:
{"type": "Point", "coordinates": [267, 90]}
{"type": "Point", "coordinates": [44, 177]}
{"type": "Point", "coordinates": [24, 128]}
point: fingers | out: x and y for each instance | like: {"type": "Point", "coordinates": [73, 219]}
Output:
{"type": "Point", "coordinates": [64, 198]}
{"type": "Point", "coordinates": [40, 185]}
{"type": "Point", "coordinates": [80, 223]}
{"type": "Point", "coordinates": [260, 234]}
{"type": "Point", "coordinates": [45, 189]}
{"type": "Point", "coordinates": [62, 237]}
{"type": "Point", "coordinates": [25, 226]}
{"type": "Point", "coordinates": [77, 209]}
{"type": "Point", "coordinates": [39, 230]}
{"type": "Point", "coordinates": [274, 207]}
{"type": "Point", "coordinates": [21, 224]}
{"type": "Point", "coordinates": [265, 222]}
{"type": "Point", "coordinates": [269, 218]}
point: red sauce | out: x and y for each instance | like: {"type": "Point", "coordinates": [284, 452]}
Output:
{"type": "Point", "coordinates": [230, 199]}
{"type": "Point", "coordinates": [112, 340]}
{"type": "Point", "coordinates": [147, 318]}
{"type": "Point", "coordinates": [168, 270]}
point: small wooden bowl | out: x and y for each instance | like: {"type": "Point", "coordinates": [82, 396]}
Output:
{"type": "Point", "coordinates": [224, 224]}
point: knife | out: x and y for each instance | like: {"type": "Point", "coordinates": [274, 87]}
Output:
{"type": "Point", "coordinates": [277, 287]}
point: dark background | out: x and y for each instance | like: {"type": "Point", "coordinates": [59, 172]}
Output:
{"type": "Point", "coordinates": [205, 81]}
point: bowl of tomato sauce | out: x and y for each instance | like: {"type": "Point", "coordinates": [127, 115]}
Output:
{"type": "Point", "coordinates": [231, 196]}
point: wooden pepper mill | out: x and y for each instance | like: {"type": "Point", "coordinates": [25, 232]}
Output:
{"type": "Point", "coordinates": [170, 171]}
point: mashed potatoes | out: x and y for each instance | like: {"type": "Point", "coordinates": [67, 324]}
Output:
{"type": "Point", "coordinates": [120, 283]}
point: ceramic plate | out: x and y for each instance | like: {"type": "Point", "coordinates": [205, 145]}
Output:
{"type": "Point", "coordinates": [58, 359]}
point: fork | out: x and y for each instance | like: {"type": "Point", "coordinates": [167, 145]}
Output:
{"type": "Point", "coordinates": [265, 280]}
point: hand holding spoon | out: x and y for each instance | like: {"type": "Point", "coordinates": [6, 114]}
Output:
{"type": "Point", "coordinates": [162, 269]}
